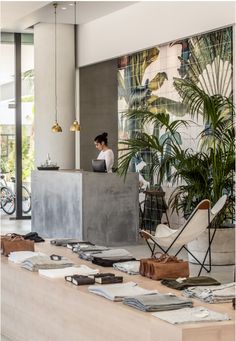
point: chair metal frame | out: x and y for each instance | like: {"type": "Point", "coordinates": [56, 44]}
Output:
{"type": "Point", "coordinates": [144, 234]}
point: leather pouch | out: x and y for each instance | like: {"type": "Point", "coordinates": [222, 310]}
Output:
{"type": "Point", "coordinates": [144, 268]}
{"type": "Point", "coordinates": [16, 243]}
{"type": "Point", "coordinates": [8, 236]}
{"type": "Point", "coordinates": [164, 267]}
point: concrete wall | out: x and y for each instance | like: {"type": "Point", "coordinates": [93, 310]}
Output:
{"type": "Point", "coordinates": [60, 146]}
{"type": "Point", "coordinates": [148, 23]}
{"type": "Point", "coordinates": [91, 206]}
{"type": "Point", "coordinates": [98, 109]}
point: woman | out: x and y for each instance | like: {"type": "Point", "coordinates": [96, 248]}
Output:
{"type": "Point", "coordinates": [106, 153]}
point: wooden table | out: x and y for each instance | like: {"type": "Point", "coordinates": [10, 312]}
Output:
{"type": "Point", "coordinates": [35, 308]}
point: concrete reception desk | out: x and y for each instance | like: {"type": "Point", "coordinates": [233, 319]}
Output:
{"type": "Point", "coordinates": [98, 207]}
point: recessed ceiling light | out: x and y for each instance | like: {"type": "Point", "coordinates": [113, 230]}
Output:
{"type": "Point", "coordinates": [71, 4]}
{"type": "Point", "coordinates": [63, 8]}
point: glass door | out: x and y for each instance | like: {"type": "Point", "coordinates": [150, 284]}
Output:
{"type": "Point", "coordinates": [16, 135]}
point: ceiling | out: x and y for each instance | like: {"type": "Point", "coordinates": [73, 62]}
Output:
{"type": "Point", "coordinates": [21, 16]}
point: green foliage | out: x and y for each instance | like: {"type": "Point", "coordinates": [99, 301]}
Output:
{"type": "Point", "coordinates": [205, 174]}
{"type": "Point", "coordinates": [27, 157]}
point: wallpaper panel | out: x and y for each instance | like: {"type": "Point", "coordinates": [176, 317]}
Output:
{"type": "Point", "coordinates": [147, 79]}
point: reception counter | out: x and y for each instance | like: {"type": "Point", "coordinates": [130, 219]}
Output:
{"type": "Point", "coordinates": [91, 206]}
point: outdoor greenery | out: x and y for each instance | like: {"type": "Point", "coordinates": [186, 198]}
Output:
{"type": "Point", "coordinates": [206, 173]}
{"type": "Point", "coordinates": [8, 165]}
{"type": "Point", "coordinates": [8, 162]}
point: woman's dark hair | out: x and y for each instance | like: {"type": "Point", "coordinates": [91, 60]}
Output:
{"type": "Point", "coordinates": [101, 138]}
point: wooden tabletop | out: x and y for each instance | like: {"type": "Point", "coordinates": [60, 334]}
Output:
{"type": "Point", "coordinates": [41, 309]}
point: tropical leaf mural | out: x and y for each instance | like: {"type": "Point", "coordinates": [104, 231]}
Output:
{"type": "Point", "coordinates": [155, 81]}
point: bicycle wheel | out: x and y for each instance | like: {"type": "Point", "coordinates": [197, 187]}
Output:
{"type": "Point", "coordinates": [26, 200]}
{"type": "Point", "coordinates": [7, 200]}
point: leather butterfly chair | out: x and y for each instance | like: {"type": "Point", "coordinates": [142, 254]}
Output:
{"type": "Point", "coordinates": [166, 238]}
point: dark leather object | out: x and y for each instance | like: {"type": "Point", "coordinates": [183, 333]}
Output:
{"type": "Point", "coordinates": [80, 280]}
{"type": "Point", "coordinates": [164, 267]}
{"type": "Point", "coordinates": [109, 262]}
{"type": "Point", "coordinates": [17, 243]}
{"type": "Point", "coordinates": [33, 236]}
{"type": "Point", "coordinates": [105, 274]}
{"type": "Point", "coordinates": [109, 279]}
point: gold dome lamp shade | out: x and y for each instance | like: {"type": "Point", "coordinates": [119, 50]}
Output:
{"type": "Point", "coordinates": [56, 128]}
{"type": "Point", "coordinates": [75, 126]}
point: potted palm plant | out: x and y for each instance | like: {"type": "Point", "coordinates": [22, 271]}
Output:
{"type": "Point", "coordinates": [205, 173]}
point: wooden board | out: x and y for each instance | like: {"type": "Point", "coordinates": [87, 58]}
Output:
{"type": "Point", "coordinates": [41, 309]}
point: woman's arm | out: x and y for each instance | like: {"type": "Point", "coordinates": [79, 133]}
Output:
{"type": "Point", "coordinates": [109, 159]}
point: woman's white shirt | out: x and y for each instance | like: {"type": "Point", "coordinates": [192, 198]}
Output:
{"type": "Point", "coordinates": [108, 156]}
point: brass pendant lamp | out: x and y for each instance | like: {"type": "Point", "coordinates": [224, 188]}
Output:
{"type": "Point", "coordinates": [56, 128]}
{"type": "Point", "coordinates": [75, 125]}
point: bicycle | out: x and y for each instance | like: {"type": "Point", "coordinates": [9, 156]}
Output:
{"type": "Point", "coordinates": [8, 197]}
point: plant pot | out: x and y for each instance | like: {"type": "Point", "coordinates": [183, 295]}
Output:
{"type": "Point", "coordinates": [222, 247]}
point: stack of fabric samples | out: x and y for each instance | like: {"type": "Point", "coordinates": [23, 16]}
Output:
{"type": "Point", "coordinates": [71, 245]}
{"type": "Point", "coordinates": [130, 267]}
{"type": "Point", "coordinates": [87, 252]}
{"type": "Point", "coordinates": [117, 292]}
{"type": "Point", "coordinates": [109, 257]}
{"type": "Point", "coordinates": [183, 283]}
{"type": "Point", "coordinates": [45, 262]}
{"type": "Point", "coordinates": [64, 241]}
{"type": "Point", "coordinates": [212, 294]}
{"type": "Point", "coordinates": [157, 302]}
{"type": "Point", "coordinates": [189, 315]}
{"type": "Point", "coordinates": [19, 256]}
{"type": "Point", "coordinates": [74, 270]}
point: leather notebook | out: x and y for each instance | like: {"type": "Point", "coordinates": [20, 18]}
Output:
{"type": "Point", "coordinates": [109, 279]}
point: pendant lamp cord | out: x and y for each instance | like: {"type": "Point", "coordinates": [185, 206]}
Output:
{"type": "Point", "coordinates": [55, 11]}
{"type": "Point", "coordinates": [75, 43]}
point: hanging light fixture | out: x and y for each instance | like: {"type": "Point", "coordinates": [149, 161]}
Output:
{"type": "Point", "coordinates": [56, 128]}
{"type": "Point", "coordinates": [75, 125]}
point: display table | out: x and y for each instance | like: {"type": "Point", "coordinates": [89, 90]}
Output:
{"type": "Point", "coordinates": [99, 207]}
{"type": "Point", "coordinates": [41, 309]}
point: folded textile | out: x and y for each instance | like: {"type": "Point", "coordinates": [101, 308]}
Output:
{"type": "Point", "coordinates": [71, 245]}
{"type": "Point", "coordinates": [63, 241]}
{"type": "Point", "coordinates": [157, 302]}
{"type": "Point", "coordinates": [106, 262]}
{"type": "Point", "coordinates": [189, 315]}
{"type": "Point", "coordinates": [131, 267]}
{"type": "Point", "coordinates": [87, 255]}
{"type": "Point", "coordinates": [213, 294]}
{"type": "Point", "coordinates": [114, 253]}
{"type": "Point", "coordinates": [60, 273]}
{"type": "Point", "coordinates": [45, 262]}
{"type": "Point", "coordinates": [117, 292]}
{"type": "Point", "coordinates": [180, 284]}
{"type": "Point", "coordinates": [20, 256]}
{"type": "Point", "coordinates": [87, 247]}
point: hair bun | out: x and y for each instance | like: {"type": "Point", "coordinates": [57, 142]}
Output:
{"type": "Point", "coordinates": [104, 134]}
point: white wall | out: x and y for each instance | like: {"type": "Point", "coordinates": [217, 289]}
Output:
{"type": "Point", "coordinates": [60, 146]}
{"type": "Point", "coordinates": [146, 24]}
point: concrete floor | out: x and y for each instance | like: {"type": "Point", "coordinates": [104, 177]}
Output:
{"type": "Point", "coordinates": [224, 274]}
